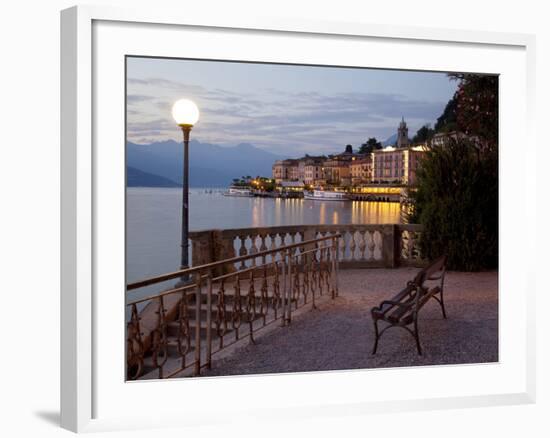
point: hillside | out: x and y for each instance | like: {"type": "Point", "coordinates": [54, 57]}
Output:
{"type": "Point", "coordinates": [138, 178]}
{"type": "Point", "coordinates": [209, 165]}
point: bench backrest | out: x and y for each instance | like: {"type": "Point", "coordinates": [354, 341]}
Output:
{"type": "Point", "coordinates": [434, 271]}
{"type": "Point", "coordinates": [416, 294]}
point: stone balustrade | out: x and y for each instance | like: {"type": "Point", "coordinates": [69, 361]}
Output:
{"type": "Point", "coordinates": [361, 246]}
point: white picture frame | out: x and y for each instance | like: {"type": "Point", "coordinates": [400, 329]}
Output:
{"type": "Point", "coordinates": [90, 401]}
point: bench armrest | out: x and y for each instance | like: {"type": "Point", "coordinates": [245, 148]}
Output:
{"type": "Point", "coordinates": [396, 303]}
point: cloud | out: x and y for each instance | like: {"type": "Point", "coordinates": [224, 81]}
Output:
{"type": "Point", "coordinates": [312, 122]}
{"type": "Point", "coordinates": [135, 98]}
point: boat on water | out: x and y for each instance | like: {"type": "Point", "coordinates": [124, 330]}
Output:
{"type": "Point", "coordinates": [239, 191]}
{"type": "Point", "coordinates": [326, 195]}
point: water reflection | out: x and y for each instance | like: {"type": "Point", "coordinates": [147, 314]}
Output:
{"type": "Point", "coordinates": [153, 220]}
{"type": "Point", "coordinates": [323, 212]}
{"type": "Point", "coordinates": [374, 212]}
{"type": "Point", "coordinates": [262, 212]}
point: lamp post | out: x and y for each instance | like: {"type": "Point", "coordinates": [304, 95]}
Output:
{"type": "Point", "coordinates": [186, 114]}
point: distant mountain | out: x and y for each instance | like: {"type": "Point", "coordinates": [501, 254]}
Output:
{"type": "Point", "coordinates": [138, 178]}
{"type": "Point", "coordinates": [390, 141]}
{"type": "Point", "coordinates": [209, 165]}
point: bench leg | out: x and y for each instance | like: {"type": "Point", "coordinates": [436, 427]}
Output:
{"type": "Point", "coordinates": [442, 304]}
{"type": "Point", "coordinates": [376, 336]}
{"type": "Point", "coordinates": [416, 337]}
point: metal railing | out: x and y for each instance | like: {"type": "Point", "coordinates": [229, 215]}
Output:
{"type": "Point", "coordinates": [176, 332]}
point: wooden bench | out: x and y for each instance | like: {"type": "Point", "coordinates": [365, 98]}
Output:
{"type": "Point", "coordinates": [402, 310]}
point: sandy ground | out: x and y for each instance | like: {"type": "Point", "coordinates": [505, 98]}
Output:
{"type": "Point", "coordinates": [339, 334]}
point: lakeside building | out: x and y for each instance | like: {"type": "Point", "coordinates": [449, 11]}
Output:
{"type": "Point", "coordinates": [307, 169]}
{"type": "Point", "coordinates": [317, 170]}
{"type": "Point", "coordinates": [361, 170]}
{"type": "Point", "coordinates": [441, 138]}
{"type": "Point", "coordinates": [396, 165]}
{"type": "Point", "coordinates": [337, 168]}
{"type": "Point", "coordinates": [313, 172]}
{"type": "Point", "coordinates": [337, 172]}
{"type": "Point", "coordinates": [391, 165]}
{"type": "Point", "coordinates": [285, 170]}
{"type": "Point", "coordinates": [278, 171]}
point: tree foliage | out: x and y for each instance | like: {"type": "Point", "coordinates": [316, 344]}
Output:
{"type": "Point", "coordinates": [457, 202]}
{"type": "Point", "coordinates": [446, 122]}
{"type": "Point", "coordinates": [477, 108]}
{"type": "Point", "coordinates": [423, 134]}
{"type": "Point", "coordinates": [370, 145]}
{"type": "Point", "coordinates": [456, 199]}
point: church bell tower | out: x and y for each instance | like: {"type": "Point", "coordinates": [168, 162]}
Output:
{"type": "Point", "coordinates": [402, 134]}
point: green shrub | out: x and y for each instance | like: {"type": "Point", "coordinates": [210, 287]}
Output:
{"type": "Point", "coordinates": [457, 203]}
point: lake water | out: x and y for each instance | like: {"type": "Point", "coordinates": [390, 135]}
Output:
{"type": "Point", "coordinates": [154, 219]}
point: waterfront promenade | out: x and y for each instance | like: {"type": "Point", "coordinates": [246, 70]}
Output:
{"type": "Point", "coordinates": [339, 334]}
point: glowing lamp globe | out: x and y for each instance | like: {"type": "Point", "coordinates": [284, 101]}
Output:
{"type": "Point", "coordinates": [185, 112]}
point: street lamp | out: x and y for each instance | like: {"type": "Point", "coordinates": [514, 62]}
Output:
{"type": "Point", "coordinates": [186, 114]}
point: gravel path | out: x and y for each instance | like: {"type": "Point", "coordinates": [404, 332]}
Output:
{"type": "Point", "coordinates": [339, 334]}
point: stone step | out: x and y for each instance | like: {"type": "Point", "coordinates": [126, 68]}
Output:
{"type": "Point", "coordinates": [172, 328]}
{"type": "Point", "coordinates": [191, 312]}
{"type": "Point", "coordinates": [229, 296]}
{"type": "Point", "coordinates": [172, 364]}
{"type": "Point", "coordinates": [172, 347]}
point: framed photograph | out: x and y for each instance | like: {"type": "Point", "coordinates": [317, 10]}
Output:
{"type": "Point", "coordinates": [307, 208]}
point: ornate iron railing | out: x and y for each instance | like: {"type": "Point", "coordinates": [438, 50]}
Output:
{"type": "Point", "coordinates": [361, 246]}
{"type": "Point", "coordinates": [176, 332]}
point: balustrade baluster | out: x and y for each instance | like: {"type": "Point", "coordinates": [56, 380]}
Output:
{"type": "Point", "coordinates": [292, 237]}
{"type": "Point", "coordinates": [242, 250]}
{"type": "Point", "coordinates": [253, 248]}
{"type": "Point", "coordinates": [263, 247]}
{"type": "Point", "coordinates": [352, 245]}
{"type": "Point", "coordinates": [378, 242]}
{"type": "Point", "coordinates": [410, 246]}
{"type": "Point", "coordinates": [273, 245]}
{"type": "Point", "coordinates": [404, 244]}
{"type": "Point", "coordinates": [342, 242]}
{"type": "Point", "coordinates": [362, 244]}
{"type": "Point", "coordinates": [371, 245]}
{"type": "Point", "coordinates": [414, 246]}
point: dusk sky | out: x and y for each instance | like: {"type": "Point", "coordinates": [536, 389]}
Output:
{"type": "Point", "coordinates": [286, 109]}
